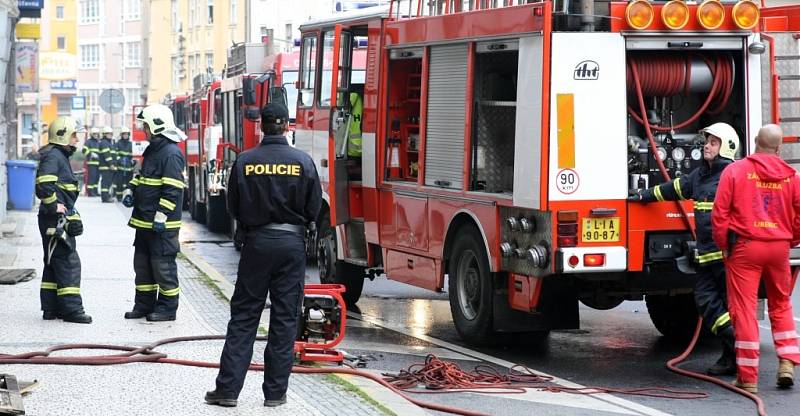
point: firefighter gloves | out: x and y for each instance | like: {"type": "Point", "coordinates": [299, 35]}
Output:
{"type": "Point", "coordinates": [634, 195]}
{"type": "Point", "coordinates": [127, 198]}
{"type": "Point", "coordinates": [159, 222]}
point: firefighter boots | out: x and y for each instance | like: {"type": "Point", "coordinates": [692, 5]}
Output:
{"type": "Point", "coordinates": [219, 398]}
{"type": "Point", "coordinates": [51, 315]}
{"type": "Point", "coordinates": [726, 364]}
{"type": "Point", "coordinates": [78, 318]}
{"type": "Point", "coordinates": [134, 314]}
{"type": "Point", "coordinates": [748, 387]}
{"type": "Point", "coordinates": [161, 316]}
{"type": "Point", "coordinates": [785, 373]}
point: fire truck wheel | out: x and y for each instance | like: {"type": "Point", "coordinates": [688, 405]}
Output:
{"type": "Point", "coordinates": [674, 316]}
{"type": "Point", "coordinates": [333, 271]}
{"type": "Point", "coordinates": [470, 287]}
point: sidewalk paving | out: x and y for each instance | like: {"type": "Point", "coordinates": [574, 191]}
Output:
{"type": "Point", "coordinates": [143, 388]}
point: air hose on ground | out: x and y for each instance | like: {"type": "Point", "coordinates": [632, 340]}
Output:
{"type": "Point", "coordinates": [724, 75]}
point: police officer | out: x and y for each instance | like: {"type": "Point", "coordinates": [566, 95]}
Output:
{"type": "Point", "coordinates": [156, 195]}
{"type": "Point", "coordinates": [107, 166]}
{"type": "Point", "coordinates": [90, 149]}
{"type": "Point", "coordinates": [59, 224]}
{"type": "Point", "coordinates": [124, 162]}
{"type": "Point", "coordinates": [274, 192]}
{"type": "Point", "coordinates": [700, 185]}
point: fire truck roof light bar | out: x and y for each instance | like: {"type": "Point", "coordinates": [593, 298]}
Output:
{"type": "Point", "coordinates": [710, 14]}
{"type": "Point", "coordinates": [639, 14]}
{"type": "Point", "coordinates": [746, 14]}
{"type": "Point", "coordinates": [675, 14]}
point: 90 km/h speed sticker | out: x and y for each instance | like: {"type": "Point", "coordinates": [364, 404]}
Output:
{"type": "Point", "coordinates": [567, 181]}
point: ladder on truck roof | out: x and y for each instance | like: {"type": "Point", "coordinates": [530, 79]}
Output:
{"type": "Point", "coordinates": [403, 9]}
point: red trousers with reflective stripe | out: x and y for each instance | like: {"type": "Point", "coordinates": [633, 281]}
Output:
{"type": "Point", "coordinates": [749, 262]}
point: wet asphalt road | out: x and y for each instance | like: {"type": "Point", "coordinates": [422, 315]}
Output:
{"type": "Point", "coordinates": [619, 348]}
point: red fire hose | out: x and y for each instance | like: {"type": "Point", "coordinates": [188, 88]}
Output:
{"type": "Point", "coordinates": [720, 74]}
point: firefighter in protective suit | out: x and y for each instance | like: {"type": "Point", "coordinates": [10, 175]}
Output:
{"type": "Point", "coordinates": [124, 162]}
{"type": "Point", "coordinates": [107, 166]}
{"type": "Point", "coordinates": [156, 195]}
{"type": "Point", "coordinates": [59, 224]}
{"type": "Point", "coordinates": [719, 151]}
{"type": "Point", "coordinates": [90, 149]}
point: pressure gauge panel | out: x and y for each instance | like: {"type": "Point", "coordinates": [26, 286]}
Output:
{"type": "Point", "coordinates": [661, 153]}
{"type": "Point", "coordinates": [678, 154]}
{"type": "Point", "coordinates": [697, 154]}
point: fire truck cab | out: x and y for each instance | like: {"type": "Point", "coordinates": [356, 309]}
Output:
{"type": "Point", "coordinates": [500, 140]}
{"type": "Point", "coordinates": [244, 90]}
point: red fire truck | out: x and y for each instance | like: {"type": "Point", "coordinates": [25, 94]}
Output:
{"type": "Point", "coordinates": [206, 110]}
{"type": "Point", "coordinates": [285, 67]}
{"type": "Point", "coordinates": [500, 144]}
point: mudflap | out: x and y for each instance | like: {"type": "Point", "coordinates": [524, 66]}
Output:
{"type": "Point", "coordinates": [558, 307]}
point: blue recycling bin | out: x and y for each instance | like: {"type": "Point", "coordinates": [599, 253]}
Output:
{"type": "Point", "coordinates": [21, 178]}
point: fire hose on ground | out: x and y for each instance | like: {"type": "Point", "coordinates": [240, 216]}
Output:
{"type": "Point", "coordinates": [722, 74]}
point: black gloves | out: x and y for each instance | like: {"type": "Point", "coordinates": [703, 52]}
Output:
{"type": "Point", "coordinates": [635, 195]}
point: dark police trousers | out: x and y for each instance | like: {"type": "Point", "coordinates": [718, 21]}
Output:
{"type": "Point", "coordinates": [94, 180]}
{"type": "Point", "coordinates": [273, 262]}
{"type": "Point", "coordinates": [710, 296]}
{"type": "Point", "coordinates": [156, 271]}
{"type": "Point", "coordinates": [61, 279]}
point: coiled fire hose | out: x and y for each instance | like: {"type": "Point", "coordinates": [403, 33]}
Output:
{"type": "Point", "coordinates": [719, 75]}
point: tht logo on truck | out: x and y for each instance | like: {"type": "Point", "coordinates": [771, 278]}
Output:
{"type": "Point", "coordinates": [586, 70]}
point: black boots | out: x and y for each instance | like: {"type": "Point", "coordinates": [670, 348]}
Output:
{"type": "Point", "coordinates": [276, 402]}
{"type": "Point", "coordinates": [726, 364]}
{"type": "Point", "coordinates": [161, 316]}
{"type": "Point", "coordinates": [78, 318]}
{"type": "Point", "coordinates": [51, 315]}
{"type": "Point", "coordinates": [219, 398]}
{"type": "Point", "coordinates": [134, 314]}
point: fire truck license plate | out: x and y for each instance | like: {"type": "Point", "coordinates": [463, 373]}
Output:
{"type": "Point", "coordinates": [600, 230]}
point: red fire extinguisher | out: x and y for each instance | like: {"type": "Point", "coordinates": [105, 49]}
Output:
{"type": "Point", "coordinates": [393, 170]}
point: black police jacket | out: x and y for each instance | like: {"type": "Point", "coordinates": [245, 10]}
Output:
{"type": "Point", "coordinates": [55, 182]}
{"type": "Point", "coordinates": [274, 183]}
{"type": "Point", "coordinates": [90, 149]}
{"type": "Point", "coordinates": [106, 154]}
{"type": "Point", "coordinates": [701, 186]}
{"type": "Point", "coordinates": [158, 186]}
{"type": "Point", "coordinates": [123, 150]}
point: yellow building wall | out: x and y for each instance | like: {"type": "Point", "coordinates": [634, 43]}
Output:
{"type": "Point", "coordinates": [67, 27]}
{"type": "Point", "coordinates": [163, 42]}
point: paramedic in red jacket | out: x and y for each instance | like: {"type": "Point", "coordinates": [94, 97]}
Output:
{"type": "Point", "coordinates": [756, 217]}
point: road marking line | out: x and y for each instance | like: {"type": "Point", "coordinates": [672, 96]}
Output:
{"type": "Point", "coordinates": [608, 398]}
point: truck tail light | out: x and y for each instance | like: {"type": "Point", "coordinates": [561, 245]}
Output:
{"type": "Point", "coordinates": [594, 260]}
{"type": "Point", "coordinates": [567, 228]}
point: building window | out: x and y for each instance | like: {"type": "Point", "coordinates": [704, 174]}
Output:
{"type": "Point", "coordinates": [191, 67]}
{"type": "Point", "coordinates": [92, 103]}
{"type": "Point", "coordinates": [90, 11]}
{"type": "Point", "coordinates": [60, 12]}
{"type": "Point", "coordinates": [61, 42]}
{"type": "Point", "coordinates": [176, 23]}
{"type": "Point", "coordinates": [210, 62]}
{"type": "Point", "coordinates": [133, 9]}
{"type": "Point", "coordinates": [132, 56]}
{"type": "Point", "coordinates": [210, 12]}
{"type": "Point", "coordinates": [192, 13]}
{"type": "Point", "coordinates": [90, 56]}
{"type": "Point", "coordinates": [133, 96]}
{"type": "Point", "coordinates": [177, 72]}
{"type": "Point", "coordinates": [289, 32]}
{"type": "Point", "coordinates": [64, 105]}
{"type": "Point", "coordinates": [234, 12]}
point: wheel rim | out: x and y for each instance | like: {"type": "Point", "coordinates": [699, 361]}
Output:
{"type": "Point", "coordinates": [469, 285]}
{"type": "Point", "coordinates": [323, 257]}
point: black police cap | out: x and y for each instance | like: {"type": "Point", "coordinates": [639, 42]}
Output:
{"type": "Point", "coordinates": [275, 113]}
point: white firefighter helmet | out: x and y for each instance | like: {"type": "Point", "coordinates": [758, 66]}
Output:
{"type": "Point", "coordinates": [124, 130]}
{"type": "Point", "coordinates": [94, 130]}
{"type": "Point", "coordinates": [108, 130]}
{"type": "Point", "coordinates": [61, 130]}
{"type": "Point", "coordinates": [158, 118]}
{"type": "Point", "coordinates": [728, 137]}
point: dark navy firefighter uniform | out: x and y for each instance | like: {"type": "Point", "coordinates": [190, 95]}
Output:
{"type": "Point", "coordinates": [60, 292]}
{"type": "Point", "coordinates": [710, 289]}
{"type": "Point", "coordinates": [90, 151]}
{"type": "Point", "coordinates": [274, 192]}
{"type": "Point", "coordinates": [124, 162]}
{"type": "Point", "coordinates": [158, 188]}
{"type": "Point", "coordinates": [106, 168]}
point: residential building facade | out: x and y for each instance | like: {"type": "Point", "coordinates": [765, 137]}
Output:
{"type": "Point", "coordinates": [110, 56]}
